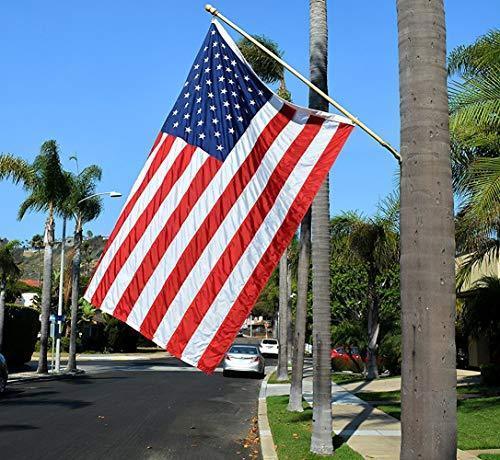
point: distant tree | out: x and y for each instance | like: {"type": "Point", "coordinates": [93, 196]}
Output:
{"type": "Point", "coordinates": [37, 241]}
{"type": "Point", "coordinates": [47, 187]}
{"type": "Point", "coordinates": [8, 271]}
{"type": "Point", "coordinates": [83, 209]}
{"type": "Point", "coordinates": [89, 234]}
{"type": "Point", "coordinates": [270, 71]}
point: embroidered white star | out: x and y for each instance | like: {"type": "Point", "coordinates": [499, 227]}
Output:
{"type": "Point", "coordinates": [226, 103]}
{"type": "Point", "coordinates": [215, 121]}
{"type": "Point", "coordinates": [231, 130]}
{"type": "Point", "coordinates": [212, 107]}
{"type": "Point", "coordinates": [197, 87]}
{"type": "Point", "coordinates": [175, 112]}
{"type": "Point", "coordinates": [209, 82]}
{"type": "Point", "coordinates": [223, 91]}
{"type": "Point", "coordinates": [216, 134]}
{"type": "Point", "coordinates": [220, 148]}
{"type": "Point", "coordinates": [210, 95]}
{"type": "Point", "coordinates": [196, 66]}
{"type": "Point", "coordinates": [186, 117]}
{"type": "Point", "coordinates": [200, 123]}
{"type": "Point", "coordinates": [228, 116]}
{"type": "Point", "coordinates": [188, 129]}
{"type": "Point", "coordinates": [186, 95]}
{"type": "Point", "coordinates": [201, 136]}
{"type": "Point", "coordinates": [176, 124]}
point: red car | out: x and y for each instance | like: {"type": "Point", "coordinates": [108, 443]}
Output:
{"type": "Point", "coordinates": [340, 352]}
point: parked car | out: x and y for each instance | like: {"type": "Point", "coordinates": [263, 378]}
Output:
{"type": "Point", "coordinates": [269, 347]}
{"type": "Point", "coordinates": [341, 352]}
{"type": "Point", "coordinates": [4, 373]}
{"type": "Point", "coordinates": [244, 358]}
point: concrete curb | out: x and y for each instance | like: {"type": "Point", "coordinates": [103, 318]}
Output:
{"type": "Point", "coordinates": [265, 435]}
{"type": "Point", "coordinates": [29, 378]}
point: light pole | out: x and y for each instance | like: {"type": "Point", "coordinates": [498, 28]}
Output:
{"type": "Point", "coordinates": [111, 194]}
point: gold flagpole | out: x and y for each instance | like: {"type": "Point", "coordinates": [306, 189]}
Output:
{"type": "Point", "coordinates": [212, 10]}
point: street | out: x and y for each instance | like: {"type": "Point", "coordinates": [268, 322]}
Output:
{"type": "Point", "coordinates": [134, 410]}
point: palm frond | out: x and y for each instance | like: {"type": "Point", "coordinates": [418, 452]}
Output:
{"type": "Point", "coordinates": [34, 202]}
{"type": "Point", "coordinates": [475, 58]}
{"type": "Point", "coordinates": [16, 169]}
{"type": "Point", "coordinates": [269, 70]}
{"type": "Point", "coordinates": [489, 251]}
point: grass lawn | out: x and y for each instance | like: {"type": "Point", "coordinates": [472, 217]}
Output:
{"type": "Point", "coordinates": [292, 433]}
{"type": "Point", "coordinates": [340, 378]}
{"type": "Point", "coordinates": [273, 379]}
{"type": "Point", "coordinates": [490, 456]}
{"type": "Point", "coordinates": [478, 418]}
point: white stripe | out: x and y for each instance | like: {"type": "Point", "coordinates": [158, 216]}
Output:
{"type": "Point", "coordinates": [225, 233]}
{"type": "Point", "coordinates": [146, 166]}
{"type": "Point", "coordinates": [201, 209]}
{"type": "Point", "coordinates": [136, 211]}
{"type": "Point", "coordinates": [155, 226]}
{"type": "Point", "coordinates": [256, 249]}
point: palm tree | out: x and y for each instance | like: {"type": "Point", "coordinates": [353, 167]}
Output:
{"type": "Point", "coordinates": [321, 439]}
{"type": "Point", "coordinates": [83, 209]}
{"type": "Point", "coordinates": [428, 392]}
{"type": "Point", "coordinates": [299, 340]}
{"type": "Point", "coordinates": [270, 71]}
{"type": "Point", "coordinates": [8, 270]}
{"type": "Point", "coordinates": [47, 187]}
{"type": "Point", "coordinates": [374, 243]}
{"type": "Point", "coordinates": [475, 128]}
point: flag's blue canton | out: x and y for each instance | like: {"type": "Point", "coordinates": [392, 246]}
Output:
{"type": "Point", "coordinates": [219, 99]}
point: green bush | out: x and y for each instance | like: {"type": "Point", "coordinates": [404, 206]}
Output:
{"type": "Point", "coordinates": [490, 374]}
{"type": "Point", "coordinates": [390, 353]}
{"type": "Point", "coordinates": [20, 334]}
{"type": "Point", "coordinates": [344, 363]}
{"type": "Point", "coordinates": [121, 338]}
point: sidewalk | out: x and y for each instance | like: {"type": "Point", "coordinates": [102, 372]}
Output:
{"type": "Point", "coordinates": [369, 431]}
{"type": "Point", "coordinates": [29, 373]}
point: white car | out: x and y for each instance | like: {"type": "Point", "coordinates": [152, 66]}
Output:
{"type": "Point", "coordinates": [243, 358]}
{"type": "Point", "coordinates": [269, 347]}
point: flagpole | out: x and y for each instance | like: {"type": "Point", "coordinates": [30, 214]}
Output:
{"type": "Point", "coordinates": [212, 10]}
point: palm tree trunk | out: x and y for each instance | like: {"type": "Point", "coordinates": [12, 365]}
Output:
{"type": "Point", "coordinates": [289, 322]}
{"type": "Point", "coordinates": [3, 283]}
{"type": "Point", "coordinates": [282, 371]}
{"type": "Point", "coordinates": [321, 439]}
{"type": "Point", "coordinates": [427, 236]}
{"type": "Point", "coordinates": [75, 292]}
{"type": "Point", "coordinates": [295, 401]}
{"type": "Point", "coordinates": [373, 332]}
{"type": "Point", "coordinates": [46, 292]}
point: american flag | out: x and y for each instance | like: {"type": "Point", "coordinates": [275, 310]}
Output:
{"type": "Point", "coordinates": [228, 180]}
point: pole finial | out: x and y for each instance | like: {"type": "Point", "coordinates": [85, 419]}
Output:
{"type": "Point", "coordinates": [211, 9]}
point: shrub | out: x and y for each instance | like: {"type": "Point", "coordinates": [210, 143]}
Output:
{"type": "Point", "coordinates": [490, 374]}
{"type": "Point", "coordinates": [20, 334]}
{"type": "Point", "coordinates": [342, 363]}
{"type": "Point", "coordinates": [390, 353]}
{"type": "Point", "coordinates": [121, 338]}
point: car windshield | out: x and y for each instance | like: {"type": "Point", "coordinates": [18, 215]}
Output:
{"type": "Point", "coordinates": [270, 342]}
{"type": "Point", "coordinates": [238, 350]}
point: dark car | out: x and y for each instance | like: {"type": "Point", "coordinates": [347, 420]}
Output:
{"type": "Point", "coordinates": [4, 373]}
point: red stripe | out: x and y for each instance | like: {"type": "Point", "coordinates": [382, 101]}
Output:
{"type": "Point", "coordinates": [154, 165]}
{"type": "Point", "coordinates": [199, 183]}
{"type": "Point", "coordinates": [174, 173]}
{"type": "Point", "coordinates": [213, 220]}
{"type": "Point", "coordinates": [245, 301]}
{"type": "Point", "coordinates": [242, 238]}
{"type": "Point", "coordinates": [156, 142]}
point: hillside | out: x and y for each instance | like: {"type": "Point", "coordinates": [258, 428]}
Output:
{"type": "Point", "coordinates": [31, 260]}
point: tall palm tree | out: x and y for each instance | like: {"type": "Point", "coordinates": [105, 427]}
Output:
{"type": "Point", "coordinates": [428, 393]}
{"type": "Point", "coordinates": [270, 71]}
{"type": "Point", "coordinates": [321, 439]}
{"type": "Point", "coordinates": [83, 185]}
{"type": "Point", "coordinates": [47, 187]}
{"type": "Point", "coordinates": [8, 270]}
{"type": "Point", "coordinates": [475, 134]}
{"type": "Point", "coordinates": [299, 340]}
{"type": "Point", "coordinates": [374, 243]}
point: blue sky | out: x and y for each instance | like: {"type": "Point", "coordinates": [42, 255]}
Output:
{"type": "Point", "coordinates": [100, 77]}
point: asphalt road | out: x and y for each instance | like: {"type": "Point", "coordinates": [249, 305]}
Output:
{"type": "Point", "coordinates": [129, 410]}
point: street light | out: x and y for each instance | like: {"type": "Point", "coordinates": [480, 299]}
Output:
{"type": "Point", "coordinates": [111, 194]}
